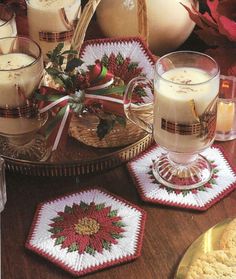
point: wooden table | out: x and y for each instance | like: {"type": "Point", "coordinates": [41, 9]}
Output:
{"type": "Point", "coordinates": [168, 232]}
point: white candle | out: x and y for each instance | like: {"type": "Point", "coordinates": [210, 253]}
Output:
{"type": "Point", "coordinates": [182, 104]}
{"type": "Point", "coordinates": [18, 71]}
{"type": "Point", "coordinates": [48, 16]}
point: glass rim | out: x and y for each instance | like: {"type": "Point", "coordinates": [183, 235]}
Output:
{"type": "Point", "coordinates": [188, 52]}
{"type": "Point", "coordinates": [47, 8]}
{"type": "Point", "coordinates": [36, 59]}
{"type": "Point", "coordinates": [11, 16]}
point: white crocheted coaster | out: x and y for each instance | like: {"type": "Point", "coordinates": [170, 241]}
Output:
{"type": "Point", "coordinates": [221, 184]}
{"type": "Point", "coordinates": [87, 231]}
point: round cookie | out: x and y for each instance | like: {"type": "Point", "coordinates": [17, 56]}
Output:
{"type": "Point", "coordinates": [228, 238]}
{"type": "Point", "coordinates": [217, 264]}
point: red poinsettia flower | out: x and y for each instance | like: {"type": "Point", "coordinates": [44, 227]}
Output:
{"type": "Point", "coordinates": [87, 228]}
{"type": "Point", "coordinates": [218, 30]}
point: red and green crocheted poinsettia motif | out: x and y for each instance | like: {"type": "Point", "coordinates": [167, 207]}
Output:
{"type": "Point", "coordinates": [87, 228]}
{"type": "Point", "coordinates": [210, 184]}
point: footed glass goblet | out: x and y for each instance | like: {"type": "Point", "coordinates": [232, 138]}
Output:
{"type": "Point", "coordinates": [186, 86]}
{"type": "Point", "coordinates": [21, 70]}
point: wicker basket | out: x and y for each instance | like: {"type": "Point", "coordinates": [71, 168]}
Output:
{"type": "Point", "coordinates": [84, 128]}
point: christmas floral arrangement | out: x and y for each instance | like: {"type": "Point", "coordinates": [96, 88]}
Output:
{"type": "Point", "coordinates": [217, 28]}
{"type": "Point", "coordinates": [72, 89]}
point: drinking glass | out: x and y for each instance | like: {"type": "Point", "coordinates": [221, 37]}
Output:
{"type": "Point", "coordinates": [7, 22]}
{"type": "Point", "coordinates": [51, 22]}
{"type": "Point", "coordinates": [21, 70]}
{"type": "Point", "coordinates": [3, 194]}
{"type": "Point", "coordinates": [186, 86]}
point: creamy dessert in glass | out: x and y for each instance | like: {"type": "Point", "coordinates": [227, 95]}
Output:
{"type": "Point", "coordinates": [52, 21]}
{"type": "Point", "coordinates": [186, 88]}
{"type": "Point", "coordinates": [21, 70]}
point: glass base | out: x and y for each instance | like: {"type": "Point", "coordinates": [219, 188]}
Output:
{"type": "Point", "coordinates": [182, 172]}
{"type": "Point", "coordinates": [35, 150]}
{"type": "Point", "coordinates": [221, 136]}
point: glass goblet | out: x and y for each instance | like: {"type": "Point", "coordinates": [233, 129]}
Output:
{"type": "Point", "coordinates": [21, 70]}
{"type": "Point", "coordinates": [52, 22]}
{"type": "Point", "coordinates": [186, 86]}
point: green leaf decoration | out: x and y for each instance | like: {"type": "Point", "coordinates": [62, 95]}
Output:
{"type": "Point", "coordinates": [119, 224]}
{"type": "Point", "coordinates": [202, 188]}
{"type": "Point", "coordinates": [141, 91]}
{"type": "Point", "coordinates": [116, 235]}
{"type": "Point", "coordinates": [57, 219]}
{"type": "Point", "coordinates": [53, 71]}
{"type": "Point", "coordinates": [100, 206]}
{"type": "Point", "coordinates": [73, 63]}
{"type": "Point", "coordinates": [84, 205]}
{"type": "Point", "coordinates": [215, 171]}
{"type": "Point", "coordinates": [132, 66]}
{"type": "Point", "coordinates": [106, 245]}
{"type": "Point", "coordinates": [72, 248]}
{"type": "Point", "coordinates": [55, 230]}
{"type": "Point", "coordinates": [121, 120]}
{"type": "Point", "coordinates": [119, 59]}
{"type": "Point", "coordinates": [60, 240]}
{"type": "Point", "coordinates": [70, 51]}
{"type": "Point", "coordinates": [90, 250]}
{"type": "Point", "coordinates": [68, 209]}
{"type": "Point", "coordinates": [58, 48]}
{"type": "Point", "coordinates": [185, 193]}
{"type": "Point", "coordinates": [58, 80]}
{"type": "Point", "coordinates": [105, 60]}
{"type": "Point", "coordinates": [113, 213]}
{"type": "Point", "coordinates": [169, 190]}
{"type": "Point", "coordinates": [104, 127]}
{"type": "Point", "coordinates": [212, 181]}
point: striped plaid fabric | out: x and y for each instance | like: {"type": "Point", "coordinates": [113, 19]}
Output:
{"type": "Point", "coordinates": [188, 129]}
{"type": "Point", "coordinates": [28, 110]}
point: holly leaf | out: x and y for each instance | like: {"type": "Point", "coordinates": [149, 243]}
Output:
{"type": "Point", "coordinates": [53, 71]}
{"type": "Point", "coordinates": [72, 64]}
{"type": "Point", "coordinates": [104, 127]}
{"type": "Point", "coordinates": [121, 120]}
{"type": "Point", "coordinates": [70, 51]}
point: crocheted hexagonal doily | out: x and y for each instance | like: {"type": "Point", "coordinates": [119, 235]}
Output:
{"type": "Point", "coordinates": [87, 231]}
{"type": "Point", "coordinates": [223, 181]}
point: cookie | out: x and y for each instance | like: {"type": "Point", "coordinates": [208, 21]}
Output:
{"type": "Point", "coordinates": [217, 264]}
{"type": "Point", "coordinates": [228, 238]}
